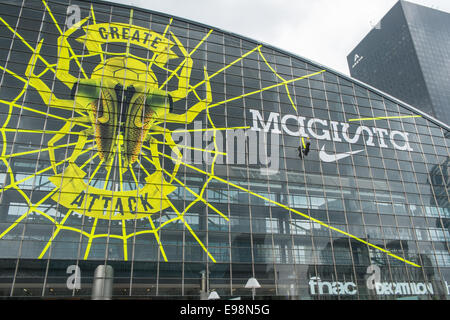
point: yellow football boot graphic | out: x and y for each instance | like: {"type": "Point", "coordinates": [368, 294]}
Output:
{"type": "Point", "coordinates": [115, 110]}
{"type": "Point", "coordinates": [142, 111]}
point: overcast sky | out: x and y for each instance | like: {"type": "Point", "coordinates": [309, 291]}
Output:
{"type": "Point", "coordinates": [324, 31]}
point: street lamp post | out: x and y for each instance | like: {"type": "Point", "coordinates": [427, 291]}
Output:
{"type": "Point", "coordinates": [203, 286]}
{"type": "Point", "coordinates": [253, 284]}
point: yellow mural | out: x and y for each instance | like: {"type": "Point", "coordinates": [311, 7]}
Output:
{"type": "Point", "coordinates": [123, 140]}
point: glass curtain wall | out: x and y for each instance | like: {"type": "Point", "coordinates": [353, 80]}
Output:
{"type": "Point", "coordinates": [169, 150]}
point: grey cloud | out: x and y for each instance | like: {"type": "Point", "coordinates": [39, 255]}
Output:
{"type": "Point", "coordinates": [324, 31]}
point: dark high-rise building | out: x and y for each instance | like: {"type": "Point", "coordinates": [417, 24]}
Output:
{"type": "Point", "coordinates": [407, 54]}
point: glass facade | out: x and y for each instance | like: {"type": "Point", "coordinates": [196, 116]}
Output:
{"type": "Point", "coordinates": [407, 55]}
{"type": "Point", "coordinates": [169, 150]}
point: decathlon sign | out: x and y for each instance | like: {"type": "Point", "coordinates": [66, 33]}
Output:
{"type": "Point", "coordinates": [373, 283]}
{"type": "Point", "coordinates": [328, 130]}
{"type": "Point", "coordinates": [335, 288]}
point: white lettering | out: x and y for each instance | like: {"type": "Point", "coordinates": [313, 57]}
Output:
{"type": "Point", "coordinates": [421, 289]}
{"type": "Point", "coordinates": [312, 284]}
{"type": "Point", "coordinates": [379, 288]}
{"type": "Point", "coordinates": [404, 135]}
{"type": "Point", "coordinates": [399, 140]}
{"type": "Point", "coordinates": [273, 118]}
{"type": "Point", "coordinates": [369, 140]}
{"type": "Point", "coordinates": [243, 139]}
{"type": "Point", "coordinates": [413, 288]}
{"type": "Point", "coordinates": [347, 288]}
{"type": "Point", "coordinates": [325, 135]}
{"type": "Point", "coordinates": [335, 132]}
{"type": "Point", "coordinates": [332, 288]}
{"type": "Point", "coordinates": [182, 138]}
{"type": "Point", "coordinates": [355, 138]}
{"type": "Point", "coordinates": [403, 288]}
{"type": "Point", "coordinates": [356, 60]}
{"type": "Point", "coordinates": [215, 140]}
{"type": "Point", "coordinates": [264, 158]}
{"type": "Point", "coordinates": [380, 133]}
{"type": "Point", "coordinates": [430, 288]}
{"type": "Point", "coordinates": [328, 285]}
{"type": "Point", "coordinates": [374, 276]}
{"type": "Point", "coordinates": [286, 129]}
{"type": "Point", "coordinates": [301, 123]}
{"type": "Point", "coordinates": [74, 280]}
{"type": "Point", "coordinates": [73, 15]}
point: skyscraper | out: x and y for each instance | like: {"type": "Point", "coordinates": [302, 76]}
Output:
{"type": "Point", "coordinates": [407, 54]}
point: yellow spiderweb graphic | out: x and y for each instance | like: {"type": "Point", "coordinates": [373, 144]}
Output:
{"type": "Point", "coordinates": [75, 165]}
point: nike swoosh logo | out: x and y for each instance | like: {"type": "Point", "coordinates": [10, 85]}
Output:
{"type": "Point", "coordinates": [325, 157]}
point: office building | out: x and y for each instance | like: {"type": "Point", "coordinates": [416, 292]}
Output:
{"type": "Point", "coordinates": [167, 151]}
{"type": "Point", "coordinates": [407, 56]}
